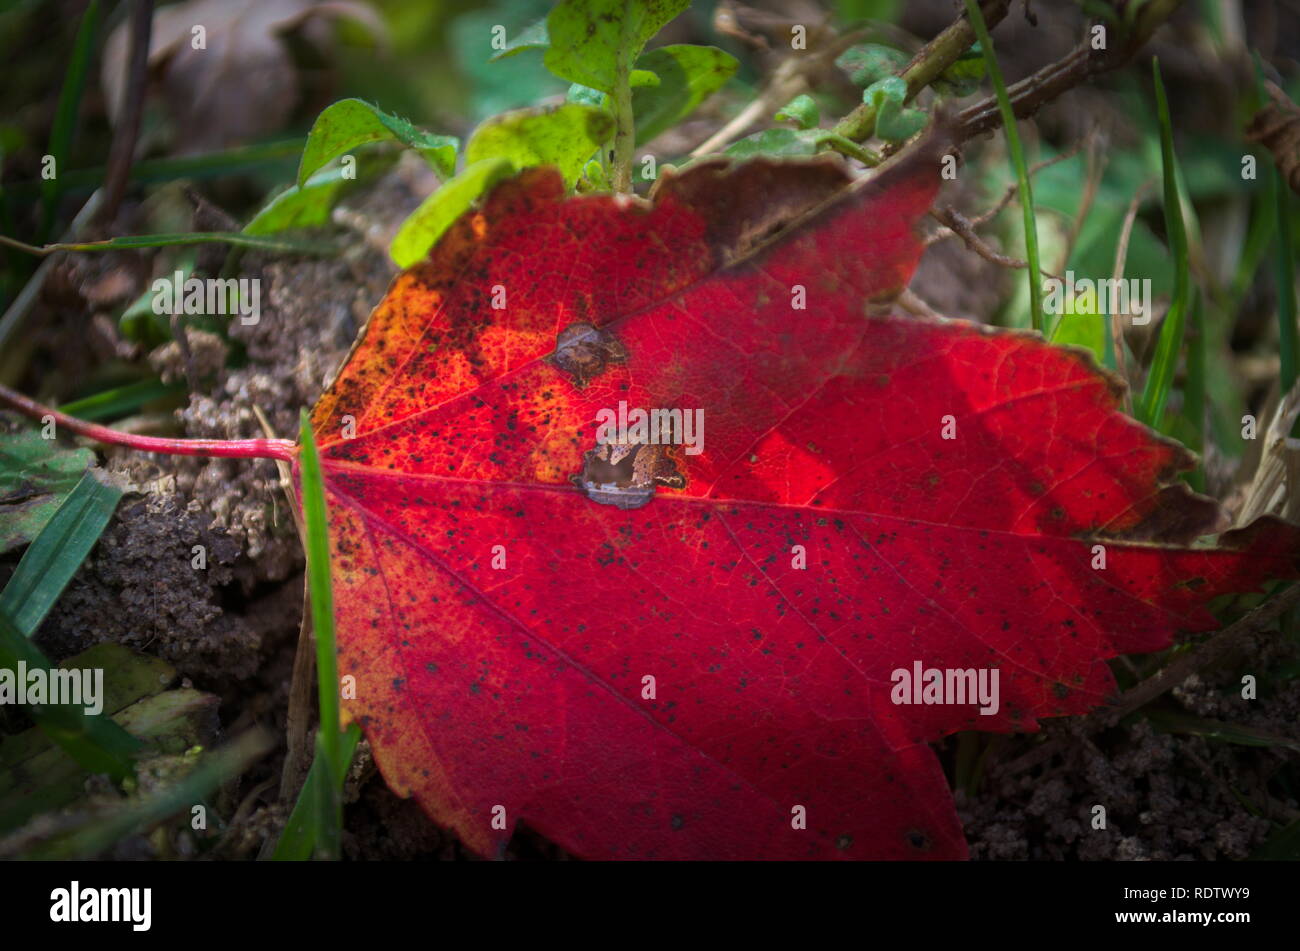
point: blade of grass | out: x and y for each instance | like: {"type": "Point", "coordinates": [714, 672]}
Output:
{"type": "Point", "coordinates": [57, 552]}
{"type": "Point", "coordinates": [206, 165]}
{"type": "Point", "coordinates": [65, 117]}
{"type": "Point", "coordinates": [1018, 161]}
{"type": "Point", "coordinates": [1160, 376]}
{"type": "Point", "coordinates": [317, 818]}
{"type": "Point", "coordinates": [217, 767]}
{"type": "Point", "coordinates": [95, 742]}
{"type": "Point", "coordinates": [120, 400]}
{"type": "Point", "coordinates": [258, 242]}
{"type": "Point", "coordinates": [315, 519]}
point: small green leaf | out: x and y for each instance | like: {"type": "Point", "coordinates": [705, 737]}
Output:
{"type": "Point", "coordinates": [890, 89]}
{"type": "Point", "coordinates": [869, 63]}
{"type": "Point", "coordinates": [427, 223]}
{"type": "Point", "coordinates": [896, 124]}
{"type": "Point", "coordinates": [594, 42]}
{"type": "Point", "coordinates": [963, 77]}
{"type": "Point", "coordinates": [300, 206]}
{"type": "Point", "coordinates": [96, 743]}
{"type": "Point", "coordinates": [802, 110]}
{"type": "Point", "coordinates": [687, 76]}
{"type": "Point", "coordinates": [349, 123]}
{"type": "Point", "coordinates": [58, 551]}
{"type": "Point", "coordinates": [564, 137]}
{"type": "Point", "coordinates": [36, 475]}
{"type": "Point", "coordinates": [532, 37]}
{"type": "Point", "coordinates": [781, 141]}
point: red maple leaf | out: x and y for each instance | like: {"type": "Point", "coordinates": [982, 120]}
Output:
{"type": "Point", "coordinates": [709, 649]}
{"type": "Point", "coordinates": [686, 678]}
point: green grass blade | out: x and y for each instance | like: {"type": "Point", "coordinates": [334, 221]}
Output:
{"type": "Point", "coordinates": [57, 552]}
{"type": "Point", "coordinates": [317, 817]}
{"type": "Point", "coordinates": [257, 242]}
{"type": "Point", "coordinates": [95, 742]}
{"type": "Point", "coordinates": [215, 768]}
{"type": "Point", "coordinates": [120, 400]}
{"type": "Point", "coordinates": [206, 165]}
{"type": "Point", "coordinates": [1160, 376]}
{"type": "Point", "coordinates": [1018, 161]}
{"type": "Point", "coordinates": [315, 518]}
{"type": "Point", "coordinates": [315, 825]}
{"type": "Point", "coordinates": [65, 117]}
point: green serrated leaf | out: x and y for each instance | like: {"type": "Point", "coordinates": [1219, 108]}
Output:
{"type": "Point", "coordinates": [427, 223]}
{"type": "Point", "coordinates": [565, 137]}
{"type": "Point", "coordinates": [688, 75]}
{"type": "Point", "coordinates": [593, 42]}
{"type": "Point", "coordinates": [36, 475]}
{"type": "Point", "coordinates": [349, 123]}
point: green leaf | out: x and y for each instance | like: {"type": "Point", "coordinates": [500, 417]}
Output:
{"type": "Point", "coordinates": [781, 141]}
{"type": "Point", "coordinates": [58, 551]}
{"type": "Point", "coordinates": [796, 142]}
{"type": "Point", "coordinates": [594, 42]}
{"type": "Point", "coordinates": [565, 137]}
{"type": "Point", "coordinates": [427, 223]}
{"type": "Point", "coordinates": [300, 206]}
{"type": "Point", "coordinates": [97, 743]}
{"type": "Point", "coordinates": [802, 110]}
{"type": "Point", "coordinates": [963, 77]}
{"type": "Point", "coordinates": [1160, 376]}
{"type": "Point", "coordinates": [897, 124]}
{"type": "Point", "coordinates": [36, 475]}
{"type": "Point", "coordinates": [349, 123]}
{"type": "Point", "coordinates": [1082, 324]}
{"type": "Point", "coordinates": [532, 37]}
{"type": "Point", "coordinates": [687, 76]}
{"type": "Point", "coordinates": [868, 63]}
